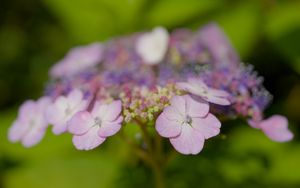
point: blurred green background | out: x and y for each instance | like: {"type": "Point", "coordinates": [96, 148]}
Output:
{"type": "Point", "coordinates": [35, 34]}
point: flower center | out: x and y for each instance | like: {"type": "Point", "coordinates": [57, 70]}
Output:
{"type": "Point", "coordinates": [188, 120]}
{"type": "Point", "coordinates": [68, 111]}
{"type": "Point", "coordinates": [98, 121]}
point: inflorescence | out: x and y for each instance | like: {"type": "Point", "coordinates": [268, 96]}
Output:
{"type": "Point", "coordinates": [182, 81]}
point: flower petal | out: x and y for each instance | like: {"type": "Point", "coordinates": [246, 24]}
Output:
{"type": "Point", "coordinates": [276, 128]}
{"type": "Point", "coordinates": [190, 141]}
{"type": "Point", "coordinates": [196, 108]}
{"type": "Point", "coordinates": [208, 126]}
{"type": "Point", "coordinates": [108, 129]}
{"type": "Point", "coordinates": [75, 97]}
{"type": "Point", "coordinates": [166, 127]}
{"type": "Point", "coordinates": [218, 100]}
{"type": "Point", "coordinates": [89, 140]}
{"type": "Point", "coordinates": [34, 136]}
{"type": "Point", "coordinates": [17, 131]}
{"type": "Point", "coordinates": [80, 123]}
{"type": "Point", "coordinates": [179, 103]}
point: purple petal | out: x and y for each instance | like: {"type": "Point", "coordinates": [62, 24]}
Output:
{"type": "Point", "coordinates": [172, 114]}
{"type": "Point", "coordinates": [190, 141]}
{"type": "Point", "coordinates": [108, 129]}
{"type": "Point", "coordinates": [166, 127]}
{"type": "Point", "coordinates": [17, 130]}
{"type": "Point", "coordinates": [80, 123]}
{"type": "Point", "coordinates": [113, 111]}
{"type": "Point", "coordinates": [179, 103]}
{"type": "Point", "coordinates": [33, 136]}
{"type": "Point", "coordinates": [75, 97]}
{"type": "Point", "coordinates": [276, 128]}
{"type": "Point", "coordinates": [196, 108]}
{"type": "Point", "coordinates": [89, 140]}
{"type": "Point", "coordinates": [59, 128]}
{"type": "Point", "coordinates": [218, 100]}
{"type": "Point", "coordinates": [208, 126]}
{"type": "Point", "coordinates": [219, 93]}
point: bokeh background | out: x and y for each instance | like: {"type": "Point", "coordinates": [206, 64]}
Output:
{"type": "Point", "coordinates": [35, 34]}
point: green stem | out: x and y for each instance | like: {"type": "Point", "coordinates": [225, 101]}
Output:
{"type": "Point", "coordinates": [152, 157]}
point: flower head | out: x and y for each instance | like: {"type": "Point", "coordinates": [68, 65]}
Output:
{"type": "Point", "coordinates": [90, 129]}
{"type": "Point", "coordinates": [187, 123]}
{"type": "Point", "coordinates": [153, 46]}
{"type": "Point", "coordinates": [199, 88]}
{"type": "Point", "coordinates": [63, 109]}
{"type": "Point", "coordinates": [30, 126]}
{"type": "Point", "coordinates": [78, 59]}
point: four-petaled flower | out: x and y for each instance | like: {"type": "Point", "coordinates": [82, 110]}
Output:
{"type": "Point", "coordinates": [91, 129]}
{"type": "Point", "coordinates": [153, 46]}
{"type": "Point", "coordinates": [199, 88]}
{"type": "Point", "coordinates": [78, 59]}
{"type": "Point", "coordinates": [187, 123]}
{"type": "Point", "coordinates": [275, 127]}
{"type": "Point", "coordinates": [30, 126]}
{"type": "Point", "coordinates": [63, 108]}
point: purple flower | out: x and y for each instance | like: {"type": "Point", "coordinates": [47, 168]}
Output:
{"type": "Point", "coordinates": [199, 88]}
{"type": "Point", "coordinates": [78, 59]}
{"type": "Point", "coordinates": [63, 109]}
{"type": "Point", "coordinates": [214, 39]}
{"type": "Point", "coordinates": [275, 127]}
{"type": "Point", "coordinates": [153, 46]}
{"type": "Point", "coordinates": [91, 129]}
{"type": "Point", "coordinates": [30, 126]}
{"type": "Point", "coordinates": [187, 123]}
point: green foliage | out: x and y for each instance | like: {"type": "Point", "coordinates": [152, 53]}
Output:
{"type": "Point", "coordinates": [35, 34]}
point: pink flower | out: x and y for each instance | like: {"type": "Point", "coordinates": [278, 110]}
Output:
{"type": "Point", "coordinates": [78, 59]}
{"type": "Point", "coordinates": [199, 88]}
{"type": "Point", "coordinates": [91, 129]}
{"type": "Point", "coordinates": [187, 123]}
{"type": "Point", "coordinates": [30, 126]}
{"type": "Point", "coordinates": [153, 46]}
{"type": "Point", "coordinates": [63, 109]}
{"type": "Point", "coordinates": [275, 127]}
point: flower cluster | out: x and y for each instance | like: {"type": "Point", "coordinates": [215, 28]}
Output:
{"type": "Point", "coordinates": [181, 81]}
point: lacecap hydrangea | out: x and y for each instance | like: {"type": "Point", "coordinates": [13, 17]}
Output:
{"type": "Point", "coordinates": [180, 83]}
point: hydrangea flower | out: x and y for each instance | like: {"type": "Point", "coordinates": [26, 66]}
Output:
{"type": "Point", "coordinates": [199, 88]}
{"type": "Point", "coordinates": [197, 77]}
{"type": "Point", "coordinates": [153, 46]}
{"type": "Point", "coordinates": [187, 123]}
{"type": "Point", "coordinates": [91, 129]}
{"type": "Point", "coordinates": [275, 127]}
{"type": "Point", "coordinates": [78, 59]}
{"type": "Point", "coordinates": [63, 109]}
{"type": "Point", "coordinates": [30, 126]}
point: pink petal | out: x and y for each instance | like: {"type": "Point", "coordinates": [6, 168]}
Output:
{"type": "Point", "coordinates": [17, 130]}
{"type": "Point", "coordinates": [59, 128]}
{"type": "Point", "coordinates": [52, 115]}
{"type": "Point", "coordinates": [89, 140]}
{"type": "Point", "coordinates": [208, 126]}
{"type": "Point", "coordinates": [61, 104]}
{"type": "Point", "coordinates": [27, 109]}
{"type": "Point", "coordinates": [80, 123]}
{"type": "Point", "coordinates": [218, 93]}
{"type": "Point", "coordinates": [172, 114]}
{"type": "Point", "coordinates": [108, 129]}
{"type": "Point", "coordinates": [196, 108]}
{"type": "Point", "coordinates": [113, 111]}
{"type": "Point", "coordinates": [276, 128]}
{"type": "Point", "coordinates": [179, 103]}
{"type": "Point", "coordinates": [75, 97]}
{"type": "Point", "coordinates": [33, 136]}
{"type": "Point", "coordinates": [166, 127]}
{"type": "Point", "coordinates": [190, 141]}
{"type": "Point", "coordinates": [218, 100]}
